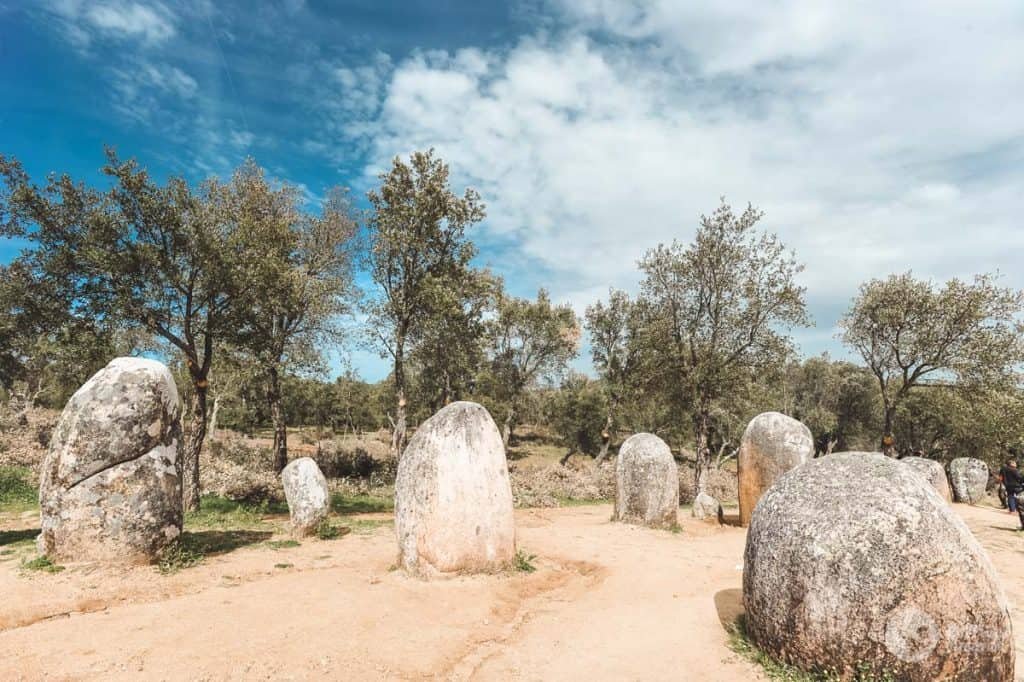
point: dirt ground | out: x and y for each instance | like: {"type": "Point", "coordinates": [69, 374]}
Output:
{"type": "Point", "coordinates": [607, 602]}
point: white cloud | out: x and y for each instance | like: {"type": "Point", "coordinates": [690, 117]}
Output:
{"type": "Point", "coordinates": [141, 88]}
{"type": "Point", "coordinates": [88, 20]}
{"type": "Point", "coordinates": [865, 132]}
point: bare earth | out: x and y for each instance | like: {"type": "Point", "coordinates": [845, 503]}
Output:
{"type": "Point", "coordinates": [608, 602]}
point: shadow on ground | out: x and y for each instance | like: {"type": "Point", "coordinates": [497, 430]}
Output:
{"type": "Point", "coordinates": [729, 604]}
{"type": "Point", "coordinates": [9, 537]}
{"type": "Point", "coordinates": [212, 542]}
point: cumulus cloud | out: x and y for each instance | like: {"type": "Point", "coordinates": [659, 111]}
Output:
{"type": "Point", "coordinates": [874, 137]}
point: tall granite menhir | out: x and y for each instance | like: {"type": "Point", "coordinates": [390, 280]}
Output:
{"type": "Point", "coordinates": [772, 444]}
{"type": "Point", "coordinates": [453, 497]}
{"type": "Point", "coordinates": [110, 488]}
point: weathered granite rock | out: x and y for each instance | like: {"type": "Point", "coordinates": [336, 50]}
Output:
{"type": "Point", "coordinates": [306, 492]}
{"type": "Point", "coordinates": [772, 444]}
{"type": "Point", "coordinates": [453, 498]}
{"type": "Point", "coordinates": [968, 477]}
{"type": "Point", "coordinates": [854, 560]}
{"type": "Point", "coordinates": [933, 472]}
{"type": "Point", "coordinates": [646, 482]}
{"type": "Point", "coordinates": [707, 508]}
{"type": "Point", "coordinates": [110, 488]}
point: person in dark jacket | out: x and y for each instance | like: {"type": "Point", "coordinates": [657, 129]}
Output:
{"type": "Point", "coordinates": [1013, 481]}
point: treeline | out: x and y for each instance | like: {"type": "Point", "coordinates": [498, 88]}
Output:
{"type": "Point", "coordinates": [248, 293]}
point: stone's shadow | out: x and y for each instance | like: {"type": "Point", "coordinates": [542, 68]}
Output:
{"type": "Point", "coordinates": [9, 537]}
{"type": "Point", "coordinates": [731, 520]}
{"type": "Point", "coordinates": [729, 604]}
{"type": "Point", "coordinates": [211, 542]}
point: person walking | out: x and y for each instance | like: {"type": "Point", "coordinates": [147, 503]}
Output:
{"type": "Point", "coordinates": [1013, 481]}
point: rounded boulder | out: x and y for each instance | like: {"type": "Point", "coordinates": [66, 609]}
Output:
{"type": "Point", "coordinates": [933, 472]}
{"type": "Point", "coordinates": [646, 482]}
{"type": "Point", "coordinates": [772, 444]}
{"type": "Point", "coordinates": [110, 487]}
{"type": "Point", "coordinates": [968, 477]}
{"type": "Point", "coordinates": [453, 498]}
{"type": "Point", "coordinates": [305, 490]}
{"type": "Point", "coordinates": [853, 562]}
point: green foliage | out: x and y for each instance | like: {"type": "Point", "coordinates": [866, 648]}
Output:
{"type": "Point", "coordinates": [360, 504]}
{"type": "Point", "coordinates": [220, 512]}
{"type": "Point", "coordinates": [325, 530]}
{"type": "Point", "coordinates": [529, 340]}
{"type": "Point", "coordinates": [42, 563]}
{"type": "Point", "coordinates": [712, 317]}
{"type": "Point", "coordinates": [180, 555]}
{"type": "Point", "coordinates": [283, 566]}
{"type": "Point", "coordinates": [913, 333]}
{"type": "Point", "coordinates": [577, 414]}
{"type": "Point", "coordinates": [283, 544]}
{"type": "Point", "coordinates": [418, 254]}
{"type": "Point", "coordinates": [524, 562]}
{"type": "Point", "coordinates": [16, 491]}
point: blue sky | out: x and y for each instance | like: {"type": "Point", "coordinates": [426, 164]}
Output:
{"type": "Point", "coordinates": [879, 137]}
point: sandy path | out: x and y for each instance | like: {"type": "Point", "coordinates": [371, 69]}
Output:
{"type": "Point", "coordinates": [607, 602]}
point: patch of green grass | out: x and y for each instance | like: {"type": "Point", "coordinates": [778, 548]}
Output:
{"type": "Point", "coordinates": [325, 530]}
{"type": "Point", "coordinates": [741, 644]}
{"type": "Point", "coordinates": [220, 512]}
{"type": "Point", "coordinates": [283, 544]}
{"type": "Point", "coordinates": [17, 493]}
{"type": "Point", "coordinates": [675, 529]}
{"type": "Point", "coordinates": [365, 526]}
{"type": "Point", "coordinates": [524, 562]}
{"type": "Point", "coordinates": [573, 502]}
{"type": "Point", "coordinates": [42, 563]}
{"type": "Point", "coordinates": [182, 554]}
{"type": "Point", "coordinates": [283, 565]}
{"type": "Point", "coordinates": [360, 504]}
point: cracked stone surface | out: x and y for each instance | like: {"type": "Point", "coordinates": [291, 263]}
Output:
{"type": "Point", "coordinates": [646, 482]}
{"type": "Point", "coordinates": [772, 444]}
{"type": "Point", "coordinates": [110, 488]}
{"type": "Point", "coordinates": [854, 559]}
{"type": "Point", "coordinates": [305, 489]}
{"type": "Point", "coordinates": [453, 498]}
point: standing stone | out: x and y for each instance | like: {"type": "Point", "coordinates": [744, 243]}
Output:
{"type": "Point", "coordinates": [453, 499]}
{"type": "Point", "coordinates": [968, 477]}
{"type": "Point", "coordinates": [110, 488]}
{"type": "Point", "coordinates": [771, 445]}
{"type": "Point", "coordinates": [305, 489]}
{"type": "Point", "coordinates": [933, 472]}
{"type": "Point", "coordinates": [646, 482]}
{"type": "Point", "coordinates": [708, 508]}
{"type": "Point", "coordinates": [852, 561]}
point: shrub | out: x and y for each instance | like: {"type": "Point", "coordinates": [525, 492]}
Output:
{"type": "Point", "coordinates": [524, 562]}
{"type": "Point", "coordinates": [15, 487]}
{"type": "Point", "coordinates": [42, 563]}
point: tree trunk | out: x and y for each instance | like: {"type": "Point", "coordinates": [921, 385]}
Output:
{"type": "Point", "coordinates": [506, 429]}
{"type": "Point", "coordinates": [277, 417]}
{"type": "Point", "coordinates": [211, 432]}
{"type": "Point", "coordinates": [399, 429]}
{"type": "Point", "coordinates": [606, 439]}
{"type": "Point", "coordinates": [888, 444]}
{"type": "Point", "coordinates": [190, 490]}
{"type": "Point", "coordinates": [702, 457]}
